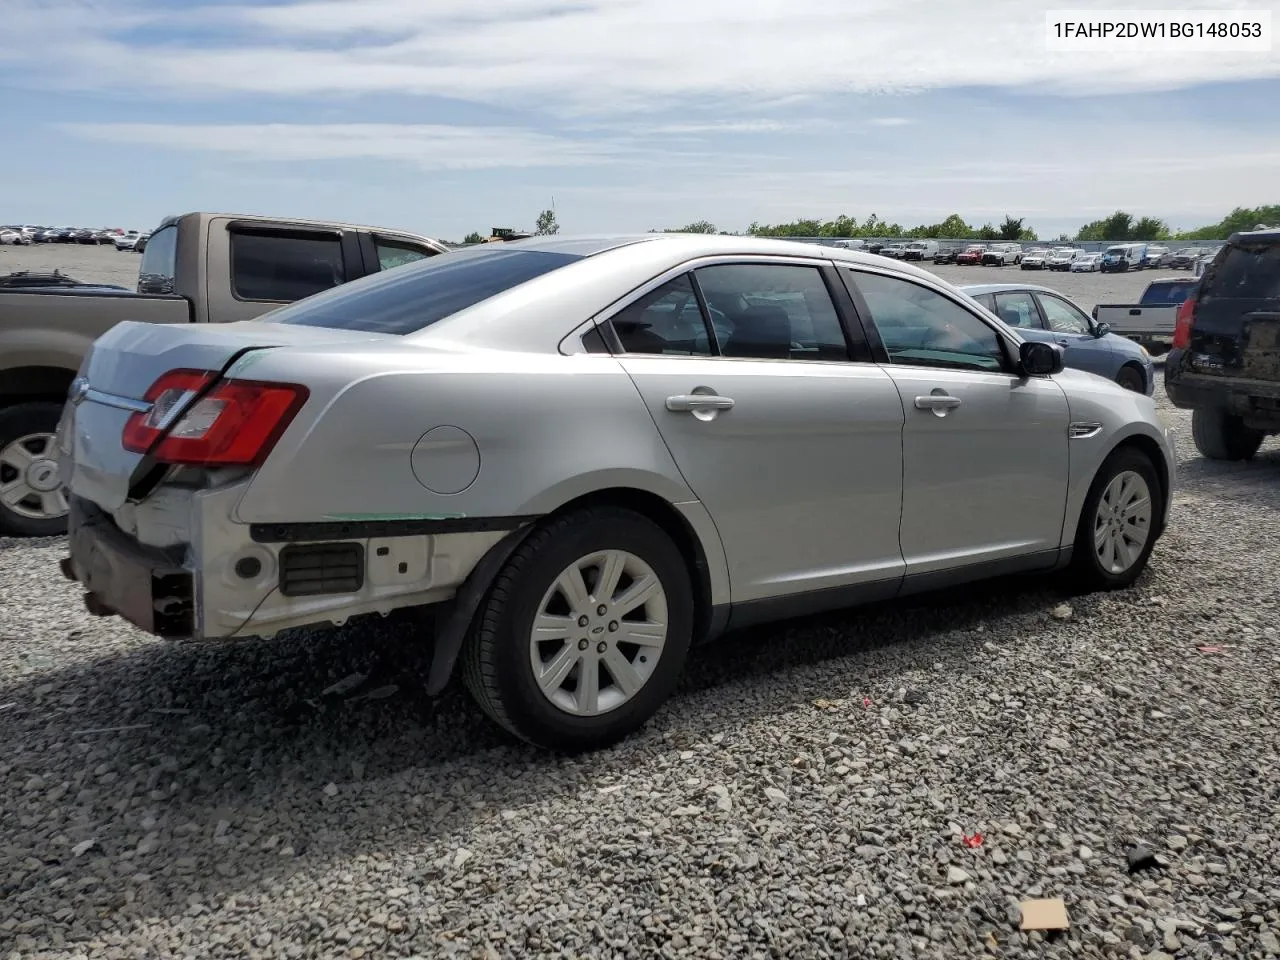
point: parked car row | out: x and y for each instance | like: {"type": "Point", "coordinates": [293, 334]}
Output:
{"type": "Point", "coordinates": [85, 235]}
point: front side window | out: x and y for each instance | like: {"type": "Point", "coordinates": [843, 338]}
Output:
{"type": "Point", "coordinates": [284, 267]}
{"type": "Point", "coordinates": [772, 311]}
{"type": "Point", "coordinates": [410, 298]}
{"type": "Point", "coordinates": [1063, 317]}
{"type": "Point", "coordinates": [923, 328]}
{"type": "Point", "coordinates": [665, 321]}
{"type": "Point", "coordinates": [1018, 310]}
{"type": "Point", "coordinates": [159, 261]}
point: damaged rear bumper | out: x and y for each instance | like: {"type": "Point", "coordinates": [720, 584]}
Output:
{"type": "Point", "coordinates": [147, 586]}
{"type": "Point", "coordinates": [179, 565]}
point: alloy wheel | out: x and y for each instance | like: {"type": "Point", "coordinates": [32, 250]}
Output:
{"type": "Point", "coordinates": [29, 484]}
{"type": "Point", "coordinates": [1122, 523]}
{"type": "Point", "coordinates": [599, 633]}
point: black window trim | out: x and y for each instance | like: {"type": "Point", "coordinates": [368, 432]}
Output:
{"type": "Point", "coordinates": [1089, 326]}
{"type": "Point", "coordinates": [880, 352]}
{"type": "Point", "coordinates": [348, 244]}
{"type": "Point", "coordinates": [1035, 302]}
{"type": "Point", "coordinates": [844, 312]}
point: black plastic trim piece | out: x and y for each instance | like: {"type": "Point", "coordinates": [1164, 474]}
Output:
{"type": "Point", "coordinates": [319, 569]}
{"type": "Point", "coordinates": [454, 619]}
{"type": "Point", "coordinates": [365, 529]}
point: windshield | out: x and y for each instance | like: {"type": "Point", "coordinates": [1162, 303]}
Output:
{"type": "Point", "coordinates": [416, 295]}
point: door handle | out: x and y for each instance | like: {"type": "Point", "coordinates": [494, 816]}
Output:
{"type": "Point", "coordinates": [1064, 341]}
{"type": "Point", "coordinates": [690, 402]}
{"type": "Point", "coordinates": [937, 401]}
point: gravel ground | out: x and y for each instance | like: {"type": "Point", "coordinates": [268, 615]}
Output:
{"type": "Point", "coordinates": [804, 795]}
{"type": "Point", "coordinates": [107, 265]}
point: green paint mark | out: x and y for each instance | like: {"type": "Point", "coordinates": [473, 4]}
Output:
{"type": "Point", "coordinates": [357, 517]}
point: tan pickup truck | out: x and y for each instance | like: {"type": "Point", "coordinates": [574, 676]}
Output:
{"type": "Point", "coordinates": [197, 268]}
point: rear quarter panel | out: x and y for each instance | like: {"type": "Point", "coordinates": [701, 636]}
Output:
{"type": "Point", "coordinates": [545, 430]}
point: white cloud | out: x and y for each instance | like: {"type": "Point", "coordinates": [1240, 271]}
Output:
{"type": "Point", "coordinates": [433, 146]}
{"type": "Point", "coordinates": [891, 121]}
{"type": "Point", "coordinates": [596, 56]}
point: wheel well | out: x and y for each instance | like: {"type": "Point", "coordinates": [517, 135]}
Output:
{"type": "Point", "coordinates": [667, 517]}
{"type": "Point", "coordinates": [1134, 365]}
{"type": "Point", "coordinates": [27, 384]}
{"type": "Point", "coordinates": [1153, 453]}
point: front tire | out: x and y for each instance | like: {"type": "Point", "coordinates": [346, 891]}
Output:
{"type": "Point", "coordinates": [1116, 531]}
{"type": "Point", "coordinates": [584, 633]}
{"type": "Point", "coordinates": [1219, 435]}
{"type": "Point", "coordinates": [1131, 378]}
{"type": "Point", "coordinates": [31, 501]}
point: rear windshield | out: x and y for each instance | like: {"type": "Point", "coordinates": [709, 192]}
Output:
{"type": "Point", "coordinates": [414, 296]}
{"type": "Point", "coordinates": [1250, 272]}
{"type": "Point", "coordinates": [159, 262]}
{"type": "Point", "coordinates": [1167, 293]}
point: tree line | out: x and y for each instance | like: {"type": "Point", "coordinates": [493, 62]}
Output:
{"type": "Point", "coordinates": [1119, 226]}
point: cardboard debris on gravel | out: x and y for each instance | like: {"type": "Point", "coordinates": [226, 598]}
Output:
{"type": "Point", "coordinates": [1044, 914]}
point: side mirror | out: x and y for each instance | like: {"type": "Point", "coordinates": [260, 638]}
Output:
{"type": "Point", "coordinates": [1101, 329]}
{"type": "Point", "coordinates": [1039, 359]}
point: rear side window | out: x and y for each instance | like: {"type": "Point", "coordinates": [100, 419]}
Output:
{"type": "Point", "coordinates": [1167, 293]}
{"type": "Point", "coordinates": [1247, 272]}
{"type": "Point", "coordinates": [769, 311]}
{"type": "Point", "coordinates": [284, 267]}
{"type": "Point", "coordinates": [159, 261]}
{"type": "Point", "coordinates": [396, 253]}
{"type": "Point", "coordinates": [1018, 310]}
{"type": "Point", "coordinates": [410, 298]}
{"type": "Point", "coordinates": [667, 320]}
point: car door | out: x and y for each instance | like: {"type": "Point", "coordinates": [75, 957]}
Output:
{"type": "Point", "coordinates": [794, 448]}
{"type": "Point", "coordinates": [1072, 330]}
{"type": "Point", "coordinates": [984, 448]}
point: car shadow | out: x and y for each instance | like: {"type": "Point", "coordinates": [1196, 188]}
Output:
{"type": "Point", "coordinates": [1255, 481]}
{"type": "Point", "coordinates": [204, 769]}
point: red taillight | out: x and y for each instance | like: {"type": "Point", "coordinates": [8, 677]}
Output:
{"type": "Point", "coordinates": [1182, 329]}
{"type": "Point", "coordinates": [236, 423]}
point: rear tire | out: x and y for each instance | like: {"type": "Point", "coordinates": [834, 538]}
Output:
{"type": "Point", "coordinates": [1131, 378]}
{"type": "Point", "coordinates": [1219, 435]}
{"type": "Point", "coordinates": [547, 704]}
{"type": "Point", "coordinates": [1116, 530]}
{"type": "Point", "coordinates": [26, 449]}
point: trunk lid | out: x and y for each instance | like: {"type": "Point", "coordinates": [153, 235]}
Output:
{"type": "Point", "coordinates": [122, 365]}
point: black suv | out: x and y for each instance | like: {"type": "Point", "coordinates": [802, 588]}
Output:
{"type": "Point", "coordinates": [1225, 361]}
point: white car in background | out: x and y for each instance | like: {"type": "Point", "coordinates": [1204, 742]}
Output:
{"type": "Point", "coordinates": [1061, 258]}
{"type": "Point", "coordinates": [1037, 258]}
{"type": "Point", "coordinates": [1087, 263]}
{"type": "Point", "coordinates": [128, 241]}
{"type": "Point", "coordinates": [8, 237]}
{"type": "Point", "coordinates": [1157, 257]}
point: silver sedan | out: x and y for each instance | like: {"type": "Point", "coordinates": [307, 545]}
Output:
{"type": "Point", "coordinates": [587, 454]}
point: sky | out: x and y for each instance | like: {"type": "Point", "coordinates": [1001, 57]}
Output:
{"type": "Point", "coordinates": [448, 116]}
